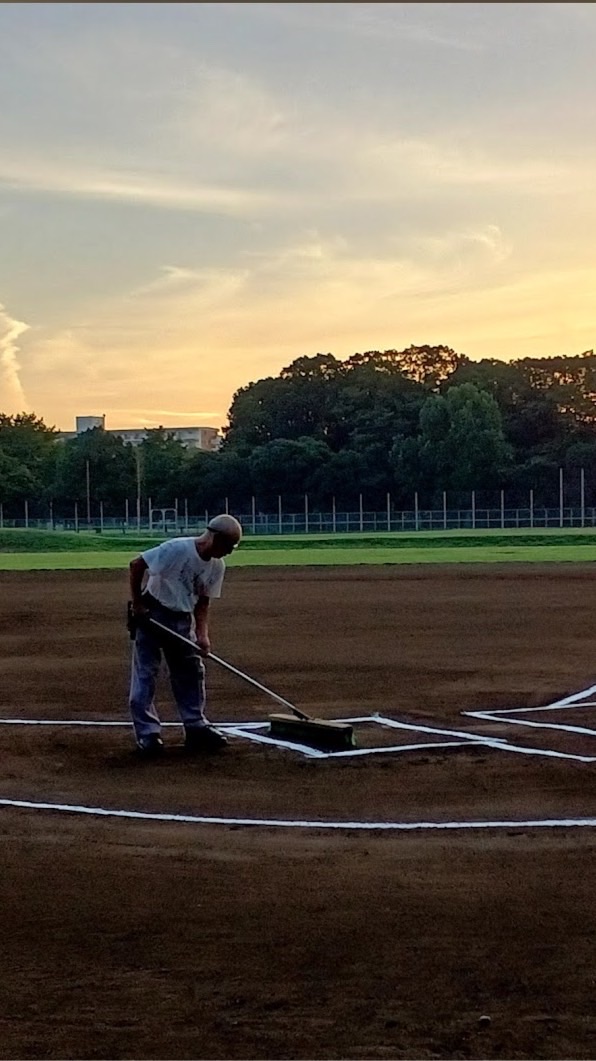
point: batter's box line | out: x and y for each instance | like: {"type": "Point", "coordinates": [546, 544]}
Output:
{"type": "Point", "coordinates": [576, 701]}
{"type": "Point", "coordinates": [249, 731]}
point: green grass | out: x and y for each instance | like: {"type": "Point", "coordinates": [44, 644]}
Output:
{"type": "Point", "coordinates": [38, 541]}
{"type": "Point", "coordinates": [89, 541]}
{"type": "Point", "coordinates": [264, 557]}
{"type": "Point", "coordinates": [64, 561]}
{"type": "Point", "coordinates": [24, 550]}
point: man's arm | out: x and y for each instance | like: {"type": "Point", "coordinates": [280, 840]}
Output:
{"type": "Point", "coordinates": [137, 568]}
{"type": "Point", "coordinates": [202, 624]}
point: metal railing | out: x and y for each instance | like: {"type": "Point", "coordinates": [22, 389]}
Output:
{"type": "Point", "coordinates": [360, 521]}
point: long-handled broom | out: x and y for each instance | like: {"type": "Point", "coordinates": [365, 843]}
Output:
{"type": "Point", "coordinates": [321, 733]}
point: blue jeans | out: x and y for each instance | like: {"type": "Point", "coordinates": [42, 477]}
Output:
{"type": "Point", "coordinates": [186, 670]}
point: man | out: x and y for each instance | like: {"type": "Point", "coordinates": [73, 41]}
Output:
{"type": "Point", "coordinates": [174, 583]}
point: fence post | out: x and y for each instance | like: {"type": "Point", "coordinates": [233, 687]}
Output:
{"type": "Point", "coordinates": [279, 516]}
{"type": "Point", "coordinates": [444, 510]}
{"type": "Point", "coordinates": [388, 511]}
{"type": "Point", "coordinates": [333, 513]}
{"type": "Point", "coordinates": [77, 516]}
{"type": "Point", "coordinates": [306, 513]}
{"type": "Point", "coordinates": [226, 508]}
{"type": "Point", "coordinates": [26, 513]}
{"type": "Point", "coordinates": [531, 508]}
{"type": "Point", "coordinates": [1, 515]}
{"type": "Point", "coordinates": [253, 509]}
{"type": "Point", "coordinates": [473, 510]}
{"type": "Point", "coordinates": [361, 513]}
{"type": "Point", "coordinates": [582, 490]}
{"type": "Point", "coordinates": [150, 503]}
{"type": "Point", "coordinates": [101, 516]}
{"type": "Point", "coordinates": [502, 509]}
{"type": "Point", "coordinates": [560, 497]}
{"type": "Point", "coordinates": [138, 454]}
{"type": "Point", "coordinates": [186, 514]}
{"type": "Point", "coordinates": [416, 510]}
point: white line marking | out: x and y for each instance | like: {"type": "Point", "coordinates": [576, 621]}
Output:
{"type": "Point", "coordinates": [280, 823]}
{"type": "Point", "coordinates": [249, 731]}
{"type": "Point", "coordinates": [542, 725]}
{"type": "Point", "coordinates": [566, 701]}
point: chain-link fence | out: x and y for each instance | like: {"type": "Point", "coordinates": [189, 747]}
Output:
{"type": "Point", "coordinates": [171, 522]}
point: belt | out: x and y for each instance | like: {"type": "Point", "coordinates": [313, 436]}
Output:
{"type": "Point", "coordinates": [148, 599]}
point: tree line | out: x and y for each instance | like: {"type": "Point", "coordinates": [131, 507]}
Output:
{"type": "Point", "coordinates": [425, 419]}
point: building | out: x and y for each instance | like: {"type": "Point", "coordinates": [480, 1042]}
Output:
{"type": "Point", "coordinates": [207, 438]}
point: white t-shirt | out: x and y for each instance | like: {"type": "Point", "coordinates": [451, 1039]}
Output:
{"type": "Point", "coordinates": [178, 576]}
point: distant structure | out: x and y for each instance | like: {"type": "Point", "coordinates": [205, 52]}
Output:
{"type": "Point", "coordinates": [193, 437]}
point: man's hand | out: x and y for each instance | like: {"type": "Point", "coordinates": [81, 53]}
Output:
{"type": "Point", "coordinates": [201, 617]}
{"type": "Point", "coordinates": [136, 614]}
{"type": "Point", "coordinates": [203, 643]}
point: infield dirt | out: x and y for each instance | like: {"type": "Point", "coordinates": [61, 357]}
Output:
{"type": "Point", "coordinates": [139, 939]}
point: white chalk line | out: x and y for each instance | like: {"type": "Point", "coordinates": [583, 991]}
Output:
{"type": "Point", "coordinates": [248, 730]}
{"type": "Point", "coordinates": [281, 823]}
{"type": "Point", "coordinates": [566, 701]}
{"type": "Point", "coordinates": [576, 701]}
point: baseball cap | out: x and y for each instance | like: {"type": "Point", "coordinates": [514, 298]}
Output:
{"type": "Point", "coordinates": [227, 526]}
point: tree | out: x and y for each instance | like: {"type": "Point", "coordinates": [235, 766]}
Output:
{"type": "Point", "coordinates": [460, 444]}
{"type": "Point", "coordinates": [428, 365]}
{"type": "Point", "coordinates": [27, 459]}
{"type": "Point", "coordinates": [17, 481]}
{"type": "Point", "coordinates": [341, 477]}
{"type": "Point", "coordinates": [253, 417]}
{"type": "Point", "coordinates": [570, 381]}
{"type": "Point", "coordinates": [162, 458]}
{"type": "Point", "coordinates": [95, 467]}
{"type": "Point", "coordinates": [475, 444]}
{"type": "Point", "coordinates": [206, 480]}
{"type": "Point", "coordinates": [295, 405]}
{"type": "Point", "coordinates": [286, 467]}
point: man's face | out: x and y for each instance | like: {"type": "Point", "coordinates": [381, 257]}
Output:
{"type": "Point", "coordinates": [221, 545]}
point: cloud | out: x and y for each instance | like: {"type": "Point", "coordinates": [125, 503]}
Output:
{"type": "Point", "coordinates": [12, 395]}
{"type": "Point", "coordinates": [249, 183]}
{"type": "Point", "coordinates": [205, 287]}
{"type": "Point", "coordinates": [196, 339]}
{"type": "Point", "coordinates": [387, 22]}
{"type": "Point", "coordinates": [397, 167]}
{"type": "Point", "coordinates": [230, 112]}
{"type": "Point", "coordinates": [135, 416]}
{"type": "Point", "coordinates": [466, 250]}
{"type": "Point", "coordinates": [161, 190]}
{"type": "Point", "coordinates": [392, 23]}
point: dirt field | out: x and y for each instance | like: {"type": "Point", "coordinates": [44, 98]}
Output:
{"type": "Point", "coordinates": [152, 939]}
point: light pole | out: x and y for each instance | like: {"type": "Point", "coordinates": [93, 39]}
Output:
{"type": "Point", "coordinates": [88, 493]}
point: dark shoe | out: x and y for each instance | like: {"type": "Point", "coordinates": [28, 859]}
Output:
{"type": "Point", "coordinates": [150, 747]}
{"type": "Point", "coordinates": [203, 740]}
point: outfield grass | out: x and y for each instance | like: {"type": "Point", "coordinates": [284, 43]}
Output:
{"type": "Point", "coordinates": [90, 542]}
{"type": "Point", "coordinates": [338, 554]}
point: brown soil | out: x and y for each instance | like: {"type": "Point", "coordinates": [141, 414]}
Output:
{"type": "Point", "coordinates": [153, 939]}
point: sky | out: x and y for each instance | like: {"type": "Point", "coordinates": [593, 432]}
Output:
{"type": "Point", "coordinates": [192, 195]}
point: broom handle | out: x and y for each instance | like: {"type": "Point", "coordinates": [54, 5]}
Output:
{"type": "Point", "coordinates": [228, 666]}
